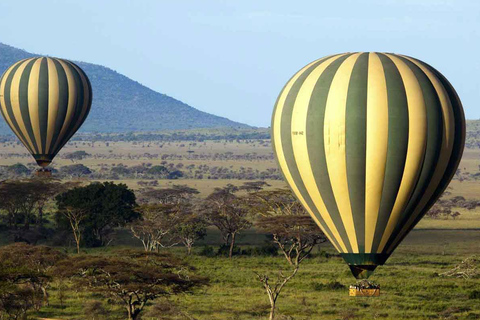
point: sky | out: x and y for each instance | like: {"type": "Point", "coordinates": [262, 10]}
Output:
{"type": "Point", "coordinates": [232, 58]}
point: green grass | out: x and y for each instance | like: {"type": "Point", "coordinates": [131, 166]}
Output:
{"type": "Point", "coordinates": [411, 288]}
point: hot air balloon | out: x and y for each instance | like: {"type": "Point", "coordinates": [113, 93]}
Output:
{"type": "Point", "coordinates": [368, 142]}
{"type": "Point", "coordinates": [45, 101]}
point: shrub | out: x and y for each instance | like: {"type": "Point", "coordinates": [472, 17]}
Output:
{"type": "Point", "coordinates": [323, 254]}
{"type": "Point", "coordinates": [225, 249]}
{"type": "Point", "coordinates": [94, 310]}
{"type": "Point", "coordinates": [18, 169]}
{"type": "Point", "coordinates": [475, 294]}
{"type": "Point", "coordinates": [75, 170]}
{"type": "Point", "coordinates": [266, 250]}
{"type": "Point", "coordinates": [207, 251]}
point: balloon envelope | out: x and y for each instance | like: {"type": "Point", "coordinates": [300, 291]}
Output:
{"type": "Point", "coordinates": [44, 101]}
{"type": "Point", "coordinates": [368, 142]}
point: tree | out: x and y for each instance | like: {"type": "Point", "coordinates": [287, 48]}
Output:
{"type": "Point", "coordinates": [25, 273]}
{"type": "Point", "coordinates": [132, 278]}
{"type": "Point", "coordinates": [191, 227]}
{"type": "Point", "coordinates": [19, 199]}
{"type": "Point", "coordinates": [18, 169]}
{"type": "Point", "coordinates": [176, 174]}
{"type": "Point", "coordinates": [49, 189]}
{"type": "Point", "coordinates": [228, 212]}
{"type": "Point", "coordinates": [15, 301]}
{"type": "Point", "coordinates": [22, 198]}
{"type": "Point", "coordinates": [106, 205]}
{"type": "Point", "coordinates": [157, 227]}
{"type": "Point", "coordinates": [158, 171]}
{"type": "Point", "coordinates": [292, 230]}
{"type": "Point", "coordinates": [254, 186]}
{"type": "Point", "coordinates": [75, 170]}
{"type": "Point", "coordinates": [75, 217]}
{"type": "Point", "coordinates": [169, 218]}
{"type": "Point", "coordinates": [175, 194]}
{"type": "Point", "coordinates": [76, 155]}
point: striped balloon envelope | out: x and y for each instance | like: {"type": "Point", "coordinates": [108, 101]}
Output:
{"type": "Point", "coordinates": [44, 101]}
{"type": "Point", "coordinates": [368, 142]}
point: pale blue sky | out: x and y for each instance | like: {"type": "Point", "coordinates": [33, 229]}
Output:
{"type": "Point", "coordinates": [231, 58]}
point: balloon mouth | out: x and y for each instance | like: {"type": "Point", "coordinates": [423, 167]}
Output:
{"type": "Point", "coordinates": [363, 265]}
{"type": "Point", "coordinates": [43, 163]}
{"type": "Point", "coordinates": [42, 160]}
{"type": "Point", "coordinates": [362, 271]}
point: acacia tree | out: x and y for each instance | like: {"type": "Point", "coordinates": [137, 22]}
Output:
{"type": "Point", "coordinates": [133, 278]}
{"type": "Point", "coordinates": [25, 274]}
{"type": "Point", "coordinates": [107, 206]}
{"type": "Point", "coordinates": [173, 195]}
{"type": "Point", "coordinates": [49, 190]}
{"type": "Point", "coordinates": [292, 230]}
{"type": "Point", "coordinates": [254, 186]}
{"type": "Point", "coordinates": [20, 200]}
{"type": "Point", "coordinates": [228, 212]}
{"type": "Point", "coordinates": [157, 227]}
{"type": "Point", "coordinates": [168, 219]}
{"type": "Point", "coordinates": [75, 217]}
{"type": "Point", "coordinates": [191, 227]}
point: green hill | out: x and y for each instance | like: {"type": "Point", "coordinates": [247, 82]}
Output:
{"type": "Point", "coordinates": [121, 104]}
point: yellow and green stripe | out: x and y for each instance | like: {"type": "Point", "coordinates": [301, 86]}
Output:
{"type": "Point", "coordinates": [368, 142]}
{"type": "Point", "coordinates": [44, 101]}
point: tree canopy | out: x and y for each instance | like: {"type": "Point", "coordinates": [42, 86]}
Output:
{"type": "Point", "coordinates": [107, 205]}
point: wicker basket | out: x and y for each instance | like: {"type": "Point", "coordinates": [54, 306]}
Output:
{"type": "Point", "coordinates": [43, 173]}
{"type": "Point", "coordinates": [358, 292]}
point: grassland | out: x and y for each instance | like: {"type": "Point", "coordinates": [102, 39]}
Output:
{"type": "Point", "coordinates": [411, 287]}
{"type": "Point", "coordinates": [108, 153]}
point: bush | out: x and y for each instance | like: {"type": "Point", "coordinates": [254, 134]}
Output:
{"type": "Point", "coordinates": [76, 155]}
{"type": "Point", "coordinates": [164, 307]}
{"type": "Point", "coordinates": [475, 294]}
{"type": "Point", "coordinates": [224, 250]}
{"type": "Point", "coordinates": [33, 235]}
{"type": "Point", "coordinates": [266, 250]}
{"type": "Point", "coordinates": [323, 254]}
{"type": "Point", "coordinates": [175, 175]}
{"type": "Point", "coordinates": [18, 169]}
{"type": "Point", "coordinates": [76, 170]}
{"type": "Point", "coordinates": [157, 170]}
{"type": "Point", "coordinates": [207, 251]}
{"type": "Point", "coordinates": [94, 310]}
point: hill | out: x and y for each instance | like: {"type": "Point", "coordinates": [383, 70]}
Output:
{"type": "Point", "coordinates": [121, 104]}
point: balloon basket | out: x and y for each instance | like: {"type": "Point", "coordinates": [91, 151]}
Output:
{"type": "Point", "coordinates": [364, 288]}
{"type": "Point", "coordinates": [43, 173]}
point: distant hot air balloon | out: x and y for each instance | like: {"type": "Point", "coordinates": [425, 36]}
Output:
{"type": "Point", "coordinates": [368, 142]}
{"type": "Point", "coordinates": [44, 101]}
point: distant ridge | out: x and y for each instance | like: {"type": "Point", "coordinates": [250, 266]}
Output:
{"type": "Point", "coordinates": [121, 104]}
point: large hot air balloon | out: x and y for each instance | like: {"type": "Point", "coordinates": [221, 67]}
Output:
{"type": "Point", "coordinates": [44, 101]}
{"type": "Point", "coordinates": [368, 142]}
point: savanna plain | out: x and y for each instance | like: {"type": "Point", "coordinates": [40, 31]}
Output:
{"type": "Point", "coordinates": [434, 273]}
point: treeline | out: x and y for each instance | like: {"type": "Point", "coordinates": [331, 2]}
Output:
{"type": "Point", "coordinates": [446, 208]}
{"type": "Point", "coordinates": [229, 135]}
{"type": "Point", "coordinates": [147, 171]}
{"type": "Point", "coordinates": [191, 155]}
{"type": "Point", "coordinates": [199, 135]}
{"type": "Point", "coordinates": [167, 136]}
{"type": "Point", "coordinates": [48, 212]}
